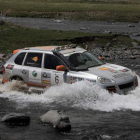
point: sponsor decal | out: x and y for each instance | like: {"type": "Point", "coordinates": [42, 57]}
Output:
{"type": "Point", "coordinates": [91, 80]}
{"type": "Point", "coordinates": [74, 78]}
{"type": "Point", "coordinates": [10, 67]}
{"type": "Point", "coordinates": [24, 72]}
{"type": "Point", "coordinates": [125, 70]}
{"type": "Point", "coordinates": [34, 73]}
{"type": "Point", "coordinates": [104, 68]}
{"type": "Point", "coordinates": [35, 59]}
{"type": "Point", "coordinates": [46, 82]}
{"type": "Point", "coordinates": [113, 71]}
{"type": "Point", "coordinates": [121, 75]}
{"type": "Point", "coordinates": [77, 79]}
{"type": "Point", "coordinates": [45, 75]}
{"type": "Point", "coordinates": [80, 79]}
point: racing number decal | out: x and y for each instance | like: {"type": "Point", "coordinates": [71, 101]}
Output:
{"type": "Point", "coordinates": [56, 79]}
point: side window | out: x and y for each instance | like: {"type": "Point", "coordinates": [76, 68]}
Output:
{"type": "Point", "coordinates": [33, 60]}
{"type": "Point", "coordinates": [51, 62]}
{"type": "Point", "coordinates": [19, 58]}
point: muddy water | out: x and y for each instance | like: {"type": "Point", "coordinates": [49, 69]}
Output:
{"type": "Point", "coordinates": [94, 113]}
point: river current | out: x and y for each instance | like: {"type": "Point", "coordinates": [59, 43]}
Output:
{"type": "Point", "coordinates": [94, 113]}
{"type": "Point", "coordinates": [81, 95]}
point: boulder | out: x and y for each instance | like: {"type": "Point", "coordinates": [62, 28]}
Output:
{"type": "Point", "coordinates": [131, 25]}
{"type": "Point", "coordinates": [16, 119]}
{"type": "Point", "coordinates": [57, 119]}
{"type": "Point", "coordinates": [132, 57]}
{"type": "Point", "coordinates": [136, 34]}
{"type": "Point", "coordinates": [108, 45]}
{"type": "Point", "coordinates": [2, 22]}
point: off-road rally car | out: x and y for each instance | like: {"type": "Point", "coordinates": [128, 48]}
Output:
{"type": "Point", "coordinates": [46, 66]}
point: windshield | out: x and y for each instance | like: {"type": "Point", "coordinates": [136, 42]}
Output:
{"type": "Point", "coordinates": [83, 60]}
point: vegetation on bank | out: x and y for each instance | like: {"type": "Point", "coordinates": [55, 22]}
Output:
{"type": "Point", "coordinates": [15, 37]}
{"type": "Point", "coordinates": [118, 10]}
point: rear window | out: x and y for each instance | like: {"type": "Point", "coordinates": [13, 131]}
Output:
{"type": "Point", "coordinates": [33, 60]}
{"type": "Point", "coordinates": [19, 59]}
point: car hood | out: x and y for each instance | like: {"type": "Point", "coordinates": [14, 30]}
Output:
{"type": "Point", "coordinates": [112, 71]}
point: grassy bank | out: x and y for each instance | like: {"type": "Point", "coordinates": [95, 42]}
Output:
{"type": "Point", "coordinates": [118, 10]}
{"type": "Point", "coordinates": [15, 37]}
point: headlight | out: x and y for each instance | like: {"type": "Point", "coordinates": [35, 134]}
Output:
{"type": "Point", "coordinates": [133, 74]}
{"type": "Point", "coordinates": [105, 80]}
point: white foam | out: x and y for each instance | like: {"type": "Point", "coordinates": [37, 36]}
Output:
{"type": "Point", "coordinates": [82, 95]}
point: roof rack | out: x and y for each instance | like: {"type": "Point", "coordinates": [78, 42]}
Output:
{"type": "Point", "coordinates": [60, 48]}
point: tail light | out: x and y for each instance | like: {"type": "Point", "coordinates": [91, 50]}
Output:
{"type": "Point", "coordinates": [136, 82]}
{"type": "Point", "coordinates": [3, 70]}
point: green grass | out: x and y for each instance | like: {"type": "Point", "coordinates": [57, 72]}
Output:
{"type": "Point", "coordinates": [14, 37]}
{"type": "Point", "coordinates": [119, 10]}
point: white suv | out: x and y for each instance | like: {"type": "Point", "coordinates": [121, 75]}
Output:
{"type": "Point", "coordinates": [53, 65]}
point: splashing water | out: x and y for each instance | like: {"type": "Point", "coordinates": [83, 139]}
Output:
{"type": "Point", "coordinates": [82, 95]}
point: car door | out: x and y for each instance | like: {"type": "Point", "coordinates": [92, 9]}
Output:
{"type": "Point", "coordinates": [50, 76]}
{"type": "Point", "coordinates": [31, 69]}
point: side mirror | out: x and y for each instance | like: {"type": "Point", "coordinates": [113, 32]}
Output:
{"type": "Point", "coordinates": [61, 68]}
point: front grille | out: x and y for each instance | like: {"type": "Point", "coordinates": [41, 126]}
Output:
{"type": "Point", "coordinates": [128, 85]}
{"type": "Point", "coordinates": [111, 89]}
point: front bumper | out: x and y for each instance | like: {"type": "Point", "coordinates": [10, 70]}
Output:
{"type": "Point", "coordinates": [123, 88]}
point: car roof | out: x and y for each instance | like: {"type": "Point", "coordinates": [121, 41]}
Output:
{"type": "Point", "coordinates": [62, 49]}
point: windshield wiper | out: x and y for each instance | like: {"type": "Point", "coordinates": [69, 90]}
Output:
{"type": "Point", "coordinates": [95, 65]}
{"type": "Point", "coordinates": [80, 69]}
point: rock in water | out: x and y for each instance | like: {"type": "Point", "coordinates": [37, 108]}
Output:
{"type": "Point", "coordinates": [58, 120]}
{"type": "Point", "coordinates": [16, 119]}
{"type": "Point", "coordinates": [2, 22]}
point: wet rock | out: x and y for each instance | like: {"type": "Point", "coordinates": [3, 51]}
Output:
{"type": "Point", "coordinates": [136, 47]}
{"type": "Point", "coordinates": [108, 45]}
{"type": "Point", "coordinates": [16, 119]}
{"type": "Point", "coordinates": [110, 21]}
{"type": "Point", "coordinates": [136, 34]}
{"type": "Point", "coordinates": [108, 32]}
{"type": "Point", "coordinates": [131, 25]}
{"type": "Point", "coordinates": [57, 119]}
{"type": "Point", "coordinates": [132, 57]}
{"type": "Point", "coordinates": [2, 22]}
{"type": "Point", "coordinates": [96, 137]}
{"type": "Point", "coordinates": [58, 21]}
{"type": "Point", "coordinates": [83, 28]}
{"type": "Point", "coordinates": [85, 138]}
{"type": "Point", "coordinates": [137, 66]}
{"type": "Point", "coordinates": [124, 48]}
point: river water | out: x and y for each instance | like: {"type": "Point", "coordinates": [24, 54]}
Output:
{"type": "Point", "coordinates": [93, 112]}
